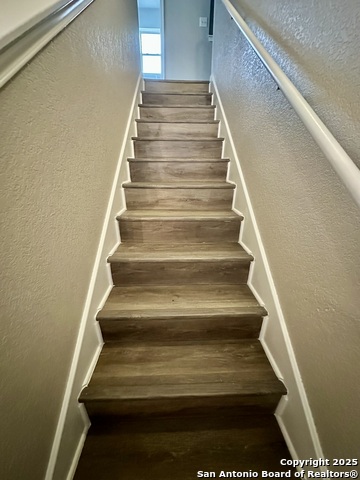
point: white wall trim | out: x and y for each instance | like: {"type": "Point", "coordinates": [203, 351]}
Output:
{"type": "Point", "coordinates": [86, 421]}
{"type": "Point", "coordinates": [77, 455]}
{"type": "Point", "coordinates": [18, 53]}
{"type": "Point", "coordinates": [97, 284]}
{"type": "Point", "coordinates": [287, 370]}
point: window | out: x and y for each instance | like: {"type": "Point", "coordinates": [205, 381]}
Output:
{"type": "Point", "coordinates": [150, 44]}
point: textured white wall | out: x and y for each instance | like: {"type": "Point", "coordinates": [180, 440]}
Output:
{"type": "Point", "coordinates": [309, 224]}
{"type": "Point", "coordinates": [62, 125]}
{"type": "Point", "coordinates": [187, 49]}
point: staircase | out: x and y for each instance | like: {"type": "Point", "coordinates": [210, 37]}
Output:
{"type": "Point", "coordinates": [182, 384]}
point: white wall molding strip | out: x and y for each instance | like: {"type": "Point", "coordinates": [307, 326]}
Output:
{"type": "Point", "coordinates": [293, 410]}
{"type": "Point", "coordinates": [99, 288]}
{"type": "Point", "coordinates": [333, 151]}
{"type": "Point", "coordinates": [85, 418]}
{"type": "Point", "coordinates": [21, 50]}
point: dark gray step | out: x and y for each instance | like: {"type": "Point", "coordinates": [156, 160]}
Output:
{"type": "Point", "coordinates": [177, 195]}
{"type": "Point", "coordinates": [177, 448]}
{"type": "Point", "coordinates": [151, 379]}
{"type": "Point", "coordinates": [179, 113]}
{"type": "Point", "coordinates": [185, 130]}
{"type": "Point", "coordinates": [176, 98]}
{"type": "Point", "coordinates": [168, 170]}
{"type": "Point", "coordinates": [176, 264]}
{"type": "Point", "coordinates": [180, 313]}
{"type": "Point", "coordinates": [158, 226]}
{"type": "Point", "coordinates": [175, 148]}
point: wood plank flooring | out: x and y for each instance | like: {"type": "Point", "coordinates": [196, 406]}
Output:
{"type": "Point", "coordinates": [177, 448]}
{"type": "Point", "coordinates": [182, 384]}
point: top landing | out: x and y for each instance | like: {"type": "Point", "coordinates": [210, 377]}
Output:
{"type": "Point", "coordinates": [176, 86]}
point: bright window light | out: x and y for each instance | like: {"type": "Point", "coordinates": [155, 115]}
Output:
{"type": "Point", "coordinates": [151, 43]}
{"type": "Point", "coordinates": [151, 64]}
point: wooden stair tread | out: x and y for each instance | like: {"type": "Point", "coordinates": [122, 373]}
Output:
{"type": "Point", "coordinates": [180, 185]}
{"type": "Point", "coordinates": [167, 139]}
{"type": "Point", "coordinates": [180, 300]}
{"type": "Point", "coordinates": [180, 313]}
{"type": "Point", "coordinates": [175, 251]}
{"type": "Point", "coordinates": [152, 105]}
{"type": "Point", "coordinates": [189, 82]}
{"type": "Point", "coordinates": [181, 122]}
{"type": "Point", "coordinates": [179, 160]}
{"type": "Point", "coordinates": [201, 370]}
{"type": "Point", "coordinates": [178, 215]}
{"type": "Point", "coordinates": [171, 391]}
{"type": "Point", "coordinates": [163, 449]}
{"type": "Point", "coordinates": [189, 94]}
{"type": "Point", "coordinates": [182, 370]}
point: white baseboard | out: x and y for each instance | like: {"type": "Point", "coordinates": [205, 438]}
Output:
{"type": "Point", "coordinates": [83, 436]}
{"type": "Point", "coordinates": [293, 413]}
{"type": "Point", "coordinates": [65, 452]}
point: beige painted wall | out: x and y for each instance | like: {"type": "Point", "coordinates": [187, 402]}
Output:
{"type": "Point", "coordinates": [62, 125]}
{"type": "Point", "coordinates": [187, 48]}
{"type": "Point", "coordinates": [309, 224]}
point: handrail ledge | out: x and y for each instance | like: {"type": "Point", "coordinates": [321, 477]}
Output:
{"type": "Point", "coordinates": [21, 50]}
{"type": "Point", "coordinates": [334, 152]}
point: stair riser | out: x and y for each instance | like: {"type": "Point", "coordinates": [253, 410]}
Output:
{"type": "Point", "coordinates": [177, 273]}
{"type": "Point", "coordinates": [176, 199]}
{"type": "Point", "coordinates": [182, 114]}
{"type": "Point", "coordinates": [159, 231]}
{"type": "Point", "coordinates": [176, 87]}
{"type": "Point", "coordinates": [173, 99]}
{"type": "Point", "coordinates": [239, 404]}
{"type": "Point", "coordinates": [177, 130]}
{"type": "Point", "coordinates": [176, 171]}
{"type": "Point", "coordinates": [177, 149]}
{"type": "Point", "coordinates": [177, 329]}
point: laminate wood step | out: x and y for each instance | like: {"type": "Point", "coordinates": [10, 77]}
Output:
{"type": "Point", "coordinates": [187, 195]}
{"type": "Point", "coordinates": [185, 378]}
{"type": "Point", "coordinates": [174, 264]}
{"type": "Point", "coordinates": [180, 185]}
{"type": "Point", "coordinates": [178, 122]}
{"type": "Point", "coordinates": [178, 148]}
{"type": "Point", "coordinates": [157, 226]}
{"type": "Point", "coordinates": [146, 128]}
{"type": "Point", "coordinates": [177, 112]}
{"type": "Point", "coordinates": [172, 327]}
{"type": "Point", "coordinates": [177, 252]}
{"type": "Point", "coordinates": [175, 169]}
{"type": "Point", "coordinates": [177, 448]}
{"type": "Point", "coordinates": [178, 140]}
{"type": "Point", "coordinates": [180, 301]}
{"type": "Point", "coordinates": [176, 98]}
{"type": "Point", "coordinates": [211, 325]}
{"type": "Point", "coordinates": [173, 160]}
{"type": "Point", "coordinates": [176, 86]}
{"type": "Point", "coordinates": [180, 313]}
